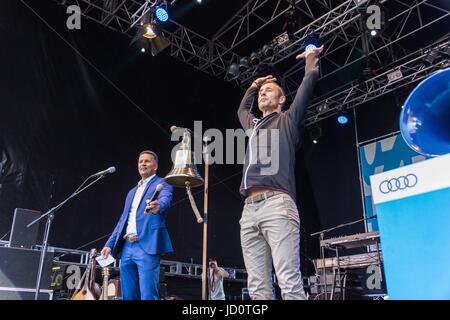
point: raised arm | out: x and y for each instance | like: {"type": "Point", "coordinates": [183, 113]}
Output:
{"type": "Point", "coordinates": [302, 98]}
{"type": "Point", "coordinates": [245, 117]}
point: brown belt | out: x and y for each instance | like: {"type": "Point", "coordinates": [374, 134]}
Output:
{"type": "Point", "coordinates": [261, 196]}
{"type": "Point", "coordinates": [132, 239]}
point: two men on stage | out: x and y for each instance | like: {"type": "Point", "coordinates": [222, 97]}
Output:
{"type": "Point", "coordinates": [270, 223]}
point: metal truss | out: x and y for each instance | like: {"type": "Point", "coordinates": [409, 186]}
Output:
{"type": "Point", "coordinates": [80, 258]}
{"type": "Point", "coordinates": [255, 15]}
{"type": "Point", "coordinates": [191, 270]}
{"type": "Point", "coordinates": [118, 15]}
{"type": "Point", "coordinates": [186, 45]}
{"type": "Point", "coordinates": [335, 21]}
{"type": "Point", "coordinates": [340, 26]}
{"type": "Point", "coordinates": [411, 70]}
{"type": "Point", "coordinates": [410, 19]}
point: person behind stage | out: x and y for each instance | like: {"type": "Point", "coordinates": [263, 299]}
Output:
{"type": "Point", "coordinates": [270, 224]}
{"type": "Point", "coordinates": [216, 275]}
{"type": "Point", "coordinates": [141, 235]}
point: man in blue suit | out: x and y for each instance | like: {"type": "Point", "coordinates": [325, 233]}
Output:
{"type": "Point", "coordinates": [141, 236]}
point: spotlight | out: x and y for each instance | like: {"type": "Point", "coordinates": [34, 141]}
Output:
{"type": "Point", "coordinates": [150, 31]}
{"type": "Point", "coordinates": [150, 37]}
{"type": "Point", "coordinates": [430, 58]}
{"type": "Point", "coordinates": [322, 108]}
{"type": "Point", "coordinates": [268, 50]}
{"type": "Point", "coordinates": [255, 58]}
{"type": "Point", "coordinates": [243, 64]}
{"type": "Point", "coordinates": [315, 134]}
{"type": "Point", "coordinates": [373, 33]}
{"type": "Point", "coordinates": [311, 42]}
{"type": "Point", "coordinates": [342, 118]}
{"type": "Point", "coordinates": [446, 53]}
{"type": "Point", "coordinates": [199, 1]}
{"type": "Point", "coordinates": [233, 71]}
{"type": "Point", "coordinates": [161, 14]}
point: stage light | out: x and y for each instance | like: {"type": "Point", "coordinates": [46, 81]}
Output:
{"type": "Point", "coordinates": [322, 108]}
{"type": "Point", "coordinates": [446, 53]}
{"type": "Point", "coordinates": [315, 134]}
{"type": "Point", "coordinates": [150, 31]}
{"type": "Point", "coordinates": [373, 33]}
{"type": "Point", "coordinates": [430, 58]}
{"type": "Point", "coordinates": [311, 42]}
{"type": "Point", "coordinates": [268, 50]}
{"type": "Point", "coordinates": [199, 1]}
{"type": "Point", "coordinates": [243, 64]}
{"type": "Point", "coordinates": [342, 118]}
{"type": "Point", "coordinates": [255, 58]}
{"type": "Point", "coordinates": [149, 38]}
{"type": "Point", "coordinates": [233, 70]}
{"type": "Point", "coordinates": [161, 14]}
{"type": "Point", "coordinates": [395, 75]}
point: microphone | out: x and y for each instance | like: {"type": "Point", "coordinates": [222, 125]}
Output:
{"type": "Point", "coordinates": [102, 173]}
{"type": "Point", "coordinates": [155, 195]}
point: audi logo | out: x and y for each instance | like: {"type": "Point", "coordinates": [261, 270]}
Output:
{"type": "Point", "coordinates": [400, 183]}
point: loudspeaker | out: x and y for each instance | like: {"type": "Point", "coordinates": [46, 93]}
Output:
{"type": "Point", "coordinates": [24, 294]}
{"type": "Point", "coordinates": [22, 236]}
{"type": "Point", "coordinates": [18, 272]}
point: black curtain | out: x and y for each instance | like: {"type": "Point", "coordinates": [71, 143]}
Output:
{"type": "Point", "coordinates": [76, 102]}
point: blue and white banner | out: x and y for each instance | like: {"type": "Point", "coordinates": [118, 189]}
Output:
{"type": "Point", "coordinates": [413, 205]}
{"type": "Point", "coordinates": [380, 156]}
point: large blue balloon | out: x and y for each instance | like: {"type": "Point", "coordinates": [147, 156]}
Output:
{"type": "Point", "coordinates": [425, 117]}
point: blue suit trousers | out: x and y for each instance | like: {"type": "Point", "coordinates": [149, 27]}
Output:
{"type": "Point", "coordinates": [139, 273]}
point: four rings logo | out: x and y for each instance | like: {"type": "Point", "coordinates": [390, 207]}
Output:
{"type": "Point", "coordinates": [400, 183]}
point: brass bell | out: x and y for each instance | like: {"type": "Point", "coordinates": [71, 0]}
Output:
{"type": "Point", "coordinates": [184, 171]}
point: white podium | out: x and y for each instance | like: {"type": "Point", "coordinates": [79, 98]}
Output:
{"type": "Point", "coordinates": [413, 210]}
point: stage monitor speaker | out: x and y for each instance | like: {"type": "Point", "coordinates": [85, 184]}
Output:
{"type": "Point", "coordinates": [18, 272]}
{"type": "Point", "coordinates": [24, 294]}
{"type": "Point", "coordinates": [22, 236]}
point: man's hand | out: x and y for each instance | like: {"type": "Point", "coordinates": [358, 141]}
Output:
{"type": "Point", "coordinates": [106, 252]}
{"type": "Point", "coordinates": [311, 58]}
{"type": "Point", "coordinates": [259, 82]}
{"type": "Point", "coordinates": [152, 206]}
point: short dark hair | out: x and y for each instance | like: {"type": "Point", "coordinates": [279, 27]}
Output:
{"type": "Point", "coordinates": [277, 84]}
{"type": "Point", "coordinates": [155, 156]}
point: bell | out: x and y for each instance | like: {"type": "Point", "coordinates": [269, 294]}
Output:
{"type": "Point", "coordinates": [184, 172]}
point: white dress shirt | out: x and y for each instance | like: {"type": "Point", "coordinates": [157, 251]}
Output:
{"type": "Point", "coordinates": [131, 227]}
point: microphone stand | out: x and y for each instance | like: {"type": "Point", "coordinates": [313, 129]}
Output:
{"type": "Point", "coordinates": [50, 214]}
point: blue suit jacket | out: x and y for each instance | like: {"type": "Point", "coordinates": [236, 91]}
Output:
{"type": "Point", "coordinates": [151, 228]}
